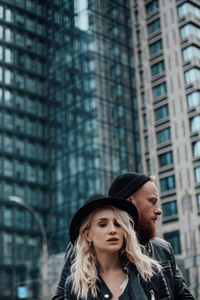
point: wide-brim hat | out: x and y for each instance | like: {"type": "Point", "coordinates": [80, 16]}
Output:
{"type": "Point", "coordinates": [99, 201]}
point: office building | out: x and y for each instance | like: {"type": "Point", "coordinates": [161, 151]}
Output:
{"type": "Point", "coordinates": [94, 105]}
{"type": "Point", "coordinates": [167, 61]}
{"type": "Point", "coordinates": [68, 120]}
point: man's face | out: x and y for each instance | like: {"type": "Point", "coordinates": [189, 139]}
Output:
{"type": "Point", "coordinates": [146, 200]}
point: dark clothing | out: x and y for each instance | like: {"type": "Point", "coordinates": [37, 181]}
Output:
{"type": "Point", "coordinates": [162, 251]}
{"type": "Point", "coordinates": [136, 289]}
{"type": "Point", "coordinates": [158, 249]}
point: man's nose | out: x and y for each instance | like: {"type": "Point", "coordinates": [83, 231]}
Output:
{"type": "Point", "coordinates": [158, 211]}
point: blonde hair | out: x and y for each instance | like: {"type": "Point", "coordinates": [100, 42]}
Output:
{"type": "Point", "coordinates": [84, 267]}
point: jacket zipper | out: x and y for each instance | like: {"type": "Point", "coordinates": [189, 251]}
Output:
{"type": "Point", "coordinates": [152, 295]}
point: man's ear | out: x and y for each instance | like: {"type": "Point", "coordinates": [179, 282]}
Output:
{"type": "Point", "coordinates": [131, 199]}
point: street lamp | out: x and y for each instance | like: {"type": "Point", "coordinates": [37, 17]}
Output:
{"type": "Point", "coordinates": [44, 244]}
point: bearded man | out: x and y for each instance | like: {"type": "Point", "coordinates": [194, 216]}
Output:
{"type": "Point", "coordinates": [142, 192]}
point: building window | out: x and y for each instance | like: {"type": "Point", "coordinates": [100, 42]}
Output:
{"type": "Point", "coordinates": [190, 29]}
{"type": "Point", "coordinates": [19, 124]}
{"type": "Point", "coordinates": [8, 248]}
{"type": "Point", "coordinates": [143, 97]}
{"type": "Point", "coordinates": [154, 26]}
{"type": "Point", "coordinates": [31, 173]}
{"type": "Point", "coordinates": [169, 209]}
{"type": "Point", "coordinates": [187, 8]}
{"type": "Point", "coordinates": [195, 123]}
{"type": "Point", "coordinates": [9, 35]}
{"type": "Point", "coordinates": [8, 98]}
{"type": "Point", "coordinates": [190, 52]}
{"type": "Point", "coordinates": [167, 183]}
{"type": "Point", "coordinates": [141, 77]}
{"type": "Point", "coordinates": [163, 135]}
{"type": "Point", "coordinates": [198, 201]}
{"type": "Point", "coordinates": [19, 191]}
{"type": "Point", "coordinates": [174, 239]}
{"type": "Point", "coordinates": [9, 77]}
{"type": "Point", "coordinates": [8, 216]}
{"type": "Point", "coordinates": [8, 144]}
{"type": "Point", "coordinates": [192, 75]}
{"type": "Point", "coordinates": [196, 148]}
{"type": "Point", "coordinates": [8, 167]}
{"type": "Point", "coordinates": [161, 112]}
{"type": "Point", "coordinates": [193, 99]}
{"type": "Point", "coordinates": [148, 164]}
{"type": "Point", "coordinates": [158, 68]}
{"type": "Point", "coordinates": [20, 169]}
{"type": "Point", "coordinates": [197, 174]}
{"type": "Point", "coordinates": [145, 120]}
{"type": "Point", "coordinates": [19, 248]}
{"type": "Point", "coordinates": [8, 15]}
{"type": "Point", "coordinates": [146, 141]}
{"type": "Point", "coordinates": [8, 190]}
{"type": "Point", "coordinates": [159, 90]}
{"type": "Point", "coordinates": [20, 218]}
{"type": "Point", "coordinates": [9, 56]}
{"type": "Point", "coordinates": [165, 159]}
{"type": "Point", "coordinates": [153, 5]}
{"type": "Point", "coordinates": [32, 248]}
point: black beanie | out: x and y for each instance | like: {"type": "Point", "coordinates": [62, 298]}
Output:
{"type": "Point", "coordinates": [126, 184]}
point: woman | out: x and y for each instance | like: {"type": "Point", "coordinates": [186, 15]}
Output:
{"type": "Point", "coordinates": [108, 260]}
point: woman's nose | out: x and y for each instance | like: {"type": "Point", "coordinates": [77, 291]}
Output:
{"type": "Point", "coordinates": [112, 229]}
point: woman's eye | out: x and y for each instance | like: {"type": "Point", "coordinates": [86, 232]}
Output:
{"type": "Point", "coordinates": [117, 224]}
{"type": "Point", "coordinates": [102, 224]}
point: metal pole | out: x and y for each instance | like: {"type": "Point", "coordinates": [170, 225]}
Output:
{"type": "Point", "coordinates": [44, 244]}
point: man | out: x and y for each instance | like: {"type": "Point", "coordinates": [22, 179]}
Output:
{"type": "Point", "coordinates": [142, 192]}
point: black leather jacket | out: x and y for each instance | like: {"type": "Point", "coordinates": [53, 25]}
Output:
{"type": "Point", "coordinates": [158, 249]}
{"type": "Point", "coordinates": [162, 251]}
{"type": "Point", "coordinates": [136, 289]}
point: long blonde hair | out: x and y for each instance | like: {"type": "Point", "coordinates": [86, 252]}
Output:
{"type": "Point", "coordinates": [84, 267]}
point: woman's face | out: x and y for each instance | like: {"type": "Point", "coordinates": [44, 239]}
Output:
{"type": "Point", "coordinates": [105, 233]}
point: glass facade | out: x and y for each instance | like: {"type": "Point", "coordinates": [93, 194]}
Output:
{"type": "Point", "coordinates": [23, 134]}
{"type": "Point", "coordinates": [93, 112]}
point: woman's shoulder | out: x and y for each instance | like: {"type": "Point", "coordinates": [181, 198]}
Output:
{"type": "Point", "coordinates": [68, 288]}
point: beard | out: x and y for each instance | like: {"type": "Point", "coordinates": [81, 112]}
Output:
{"type": "Point", "coordinates": [146, 229]}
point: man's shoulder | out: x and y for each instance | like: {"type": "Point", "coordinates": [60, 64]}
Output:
{"type": "Point", "coordinates": [161, 244]}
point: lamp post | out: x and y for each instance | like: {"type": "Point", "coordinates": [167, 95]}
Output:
{"type": "Point", "coordinates": [44, 244]}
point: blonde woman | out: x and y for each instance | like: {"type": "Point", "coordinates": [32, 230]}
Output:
{"type": "Point", "coordinates": [109, 263]}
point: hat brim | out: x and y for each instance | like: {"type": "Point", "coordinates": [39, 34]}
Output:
{"type": "Point", "coordinates": [86, 209]}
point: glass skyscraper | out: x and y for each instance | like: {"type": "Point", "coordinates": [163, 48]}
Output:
{"type": "Point", "coordinates": [68, 121]}
{"type": "Point", "coordinates": [93, 111]}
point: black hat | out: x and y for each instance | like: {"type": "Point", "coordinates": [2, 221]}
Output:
{"type": "Point", "coordinates": [98, 201]}
{"type": "Point", "coordinates": [126, 184]}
